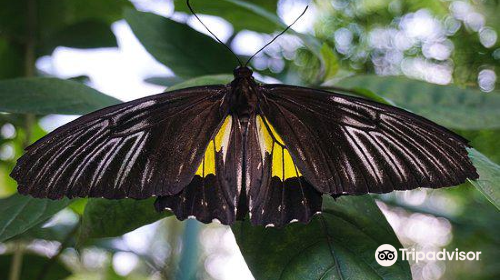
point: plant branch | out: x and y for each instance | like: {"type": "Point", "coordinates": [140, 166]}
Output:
{"type": "Point", "coordinates": [30, 58]}
{"type": "Point", "coordinates": [17, 262]}
{"type": "Point", "coordinates": [31, 25]}
{"type": "Point", "coordinates": [29, 71]}
{"type": "Point", "coordinates": [170, 266]}
{"type": "Point", "coordinates": [189, 255]}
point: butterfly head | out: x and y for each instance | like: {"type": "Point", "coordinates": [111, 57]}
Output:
{"type": "Point", "coordinates": [242, 72]}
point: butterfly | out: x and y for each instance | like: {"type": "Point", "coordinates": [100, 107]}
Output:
{"type": "Point", "coordinates": [225, 152]}
{"type": "Point", "coordinates": [222, 151]}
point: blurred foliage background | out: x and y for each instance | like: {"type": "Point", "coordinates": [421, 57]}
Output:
{"type": "Point", "coordinates": [437, 58]}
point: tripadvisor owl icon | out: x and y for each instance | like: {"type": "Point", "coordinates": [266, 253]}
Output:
{"type": "Point", "coordinates": [386, 255]}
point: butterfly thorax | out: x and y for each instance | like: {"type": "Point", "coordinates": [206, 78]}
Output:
{"type": "Point", "coordinates": [243, 97]}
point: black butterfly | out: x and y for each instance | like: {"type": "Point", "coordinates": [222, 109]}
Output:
{"type": "Point", "coordinates": [225, 151]}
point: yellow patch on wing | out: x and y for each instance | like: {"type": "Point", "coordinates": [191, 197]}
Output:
{"type": "Point", "coordinates": [271, 143]}
{"type": "Point", "coordinates": [218, 143]}
{"type": "Point", "coordinates": [222, 137]}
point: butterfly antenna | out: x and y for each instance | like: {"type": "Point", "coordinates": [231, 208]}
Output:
{"type": "Point", "coordinates": [276, 37]}
{"type": "Point", "coordinates": [216, 38]}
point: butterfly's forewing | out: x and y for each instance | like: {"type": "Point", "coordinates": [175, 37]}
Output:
{"type": "Point", "coordinates": [214, 190]}
{"type": "Point", "coordinates": [150, 146]}
{"type": "Point", "coordinates": [278, 193]}
{"type": "Point", "coordinates": [348, 145]}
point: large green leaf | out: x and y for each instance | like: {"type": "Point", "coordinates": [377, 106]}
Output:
{"type": "Point", "coordinates": [50, 96]}
{"type": "Point", "coordinates": [338, 244]}
{"type": "Point", "coordinates": [489, 177]}
{"type": "Point", "coordinates": [186, 51]}
{"type": "Point", "coordinates": [55, 22]}
{"type": "Point", "coordinates": [164, 81]}
{"type": "Point", "coordinates": [221, 79]}
{"type": "Point", "coordinates": [111, 218]}
{"type": "Point", "coordinates": [257, 15]}
{"type": "Point", "coordinates": [19, 213]}
{"type": "Point", "coordinates": [268, 5]}
{"type": "Point", "coordinates": [32, 266]}
{"type": "Point", "coordinates": [329, 61]}
{"type": "Point", "coordinates": [55, 15]}
{"type": "Point", "coordinates": [84, 35]}
{"type": "Point", "coordinates": [203, 81]}
{"type": "Point", "coordinates": [453, 107]}
{"type": "Point", "coordinates": [59, 232]}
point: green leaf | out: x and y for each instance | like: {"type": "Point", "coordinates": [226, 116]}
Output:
{"type": "Point", "coordinates": [186, 51]}
{"type": "Point", "coordinates": [50, 96]}
{"type": "Point", "coordinates": [453, 107]}
{"type": "Point", "coordinates": [366, 93]}
{"type": "Point", "coordinates": [19, 213]}
{"type": "Point", "coordinates": [164, 81]}
{"type": "Point", "coordinates": [221, 79]}
{"type": "Point", "coordinates": [54, 18]}
{"type": "Point", "coordinates": [485, 141]}
{"type": "Point", "coordinates": [440, 9]}
{"type": "Point", "coordinates": [329, 61]}
{"type": "Point", "coordinates": [84, 35]}
{"type": "Point", "coordinates": [32, 265]}
{"type": "Point", "coordinates": [361, 92]}
{"type": "Point", "coordinates": [256, 15]}
{"type": "Point", "coordinates": [338, 244]}
{"type": "Point", "coordinates": [78, 205]}
{"type": "Point", "coordinates": [58, 232]}
{"type": "Point", "coordinates": [111, 218]}
{"type": "Point", "coordinates": [55, 15]}
{"type": "Point", "coordinates": [489, 177]}
{"type": "Point", "coordinates": [203, 81]}
{"type": "Point", "coordinates": [202, 7]}
{"type": "Point", "coordinates": [8, 186]}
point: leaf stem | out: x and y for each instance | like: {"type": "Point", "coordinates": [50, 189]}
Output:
{"type": "Point", "coordinates": [170, 266]}
{"type": "Point", "coordinates": [17, 262]}
{"type": "Point", "coordinates": [30, 57]}
{"type": "Point", "coordinates": [189, 255]}
{"type": "Point", "coordinates": [29, 71]}
{"type": "Point", "coordinates": [31, 23]}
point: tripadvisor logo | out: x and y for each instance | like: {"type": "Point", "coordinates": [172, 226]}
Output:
{"type": "Point", "coordinates": [387, 255]}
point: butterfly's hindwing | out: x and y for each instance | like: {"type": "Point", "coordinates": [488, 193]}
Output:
{"type": "Point", "coordinates": [348, 145]}
{"type": "Point", "coordinates": [281, 194]}
{"type": "Point", "coordinates": [213, 192]}
{"type": "Point", "coordinates": [137, 149]}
